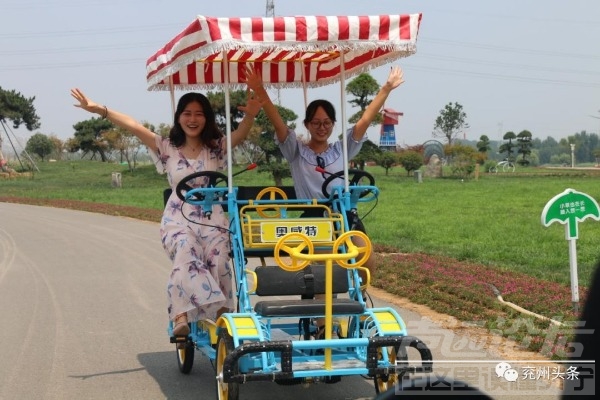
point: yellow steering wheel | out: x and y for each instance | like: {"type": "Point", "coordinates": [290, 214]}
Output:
{"type": "Point", "coordinates": [290, 243]}
{"type": "Point", "coordinates": [363, 249]}
{"type": "Point", "coordinates": [272, 192]}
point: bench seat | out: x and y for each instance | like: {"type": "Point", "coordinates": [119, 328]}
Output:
{"type": "Point", "coordinates": [274, 281]}
{"type": "Point", "coordinates": [306, 307]}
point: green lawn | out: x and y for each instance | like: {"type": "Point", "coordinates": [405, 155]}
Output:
{"type": "Point", "coordinates": [494, 220]}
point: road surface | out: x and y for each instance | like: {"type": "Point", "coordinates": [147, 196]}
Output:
{"type": "Point", "coordinates": [83, 315]}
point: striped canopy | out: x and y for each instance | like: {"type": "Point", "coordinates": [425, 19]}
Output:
{"type": "Point", "coordinates": [304, 51]}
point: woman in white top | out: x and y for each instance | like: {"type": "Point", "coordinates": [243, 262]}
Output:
{"type": "Point", "coordinates": [319, 121]}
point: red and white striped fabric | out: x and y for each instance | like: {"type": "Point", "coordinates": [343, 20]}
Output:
{"type": "Point", "coordinates": [290, 51]}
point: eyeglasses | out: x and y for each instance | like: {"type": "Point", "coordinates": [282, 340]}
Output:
{"type": "Point", "coordinates": [321, 164]}
{"type": "Point", "coordinates": [317, 124]}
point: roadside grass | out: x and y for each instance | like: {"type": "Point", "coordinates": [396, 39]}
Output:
{"type": "Point", "coordinates": [443, 242]}
{"type": "Point", "coordinates": [495, 220]}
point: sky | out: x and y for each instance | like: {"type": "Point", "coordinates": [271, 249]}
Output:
{"type": "Point", "coordinates": [513, 65]}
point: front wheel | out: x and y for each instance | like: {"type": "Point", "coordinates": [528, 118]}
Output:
{"type": "Point", "coordinates": [231, 390]}
{"type": "Point", "coordinates": [508, 167]}
{"type": "Point", "coordinates": [185, 356]}
{"type": "Point", "coordinates": [396, 355]}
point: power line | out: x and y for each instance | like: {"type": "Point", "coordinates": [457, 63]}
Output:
{"type": "Point", "coordinates": [36, 5]}
{"type": "Point", "coordinates": [92, 63]}
{"type": "Point", "coordinates": [66, 50]}
{"type": "Point", "coordinates": [495, 48]}
{"type": "Point", "coordinates": [536, 68]}
{"type": "Point", "coordinates": [88, 32]}
{"type": "Point", "coordinates": [472, 74]}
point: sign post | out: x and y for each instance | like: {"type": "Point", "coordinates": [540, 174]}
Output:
{"type": "Point", "coordinates": [569, 208]}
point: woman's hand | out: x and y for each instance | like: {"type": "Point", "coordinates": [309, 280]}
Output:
{"type": "Point", "coordinates": [253, 78]}
{"type": "Point", "coordinates": [395, 78]}
{"type": "Point", "coordinates": [253, 104]}
{"type": "Point", "coordinates": [84, 102]}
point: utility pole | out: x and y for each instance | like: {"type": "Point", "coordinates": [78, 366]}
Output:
{"type": "Point", "coordinates": [3, 164]}
{"type": "Point", "coordinates": [593, 116]}
{"type": "Point", "coordinates": [270, 8]}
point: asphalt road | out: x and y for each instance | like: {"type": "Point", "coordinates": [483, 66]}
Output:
{"type": "Point", "coordinates": [83, 316]}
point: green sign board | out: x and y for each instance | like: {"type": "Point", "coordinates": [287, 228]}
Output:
{"type": "Point", "coordinates": [570, 207]}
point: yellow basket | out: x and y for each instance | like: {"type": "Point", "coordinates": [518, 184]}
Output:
{"type": "Point", "coordinates": [263, 225]}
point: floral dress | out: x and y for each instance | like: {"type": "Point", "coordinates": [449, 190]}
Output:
{"type": "Point", "coordinates": [201, 281]}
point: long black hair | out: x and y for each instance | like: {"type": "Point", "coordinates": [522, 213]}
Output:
{"type": "Point", "coordinates": [209, 135]}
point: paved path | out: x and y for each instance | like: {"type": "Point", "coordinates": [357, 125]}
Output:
{"type": "Point", "coordinates": [83, 315]}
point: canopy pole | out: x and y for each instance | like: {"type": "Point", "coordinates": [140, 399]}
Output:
{"type": "Point", "coordinates": [343, 107]}
{"type": "Point", "coordinates": [172, 93]}
{"type": "Point", "coordinates": [228, 123]}
{"type": "Point", "coordinates": [304, 91]}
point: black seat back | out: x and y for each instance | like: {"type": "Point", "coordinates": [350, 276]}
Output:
{"type": "Point", "coordinates": [274, 281]}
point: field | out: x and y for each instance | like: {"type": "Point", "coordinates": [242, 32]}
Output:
{"type": "Point", "coordinates": [494, 220]}
{"type": "Point", "coordinates": [448, 243]}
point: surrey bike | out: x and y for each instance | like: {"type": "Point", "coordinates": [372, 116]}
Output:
{"type": "Point", "coordinates": [300, 257]}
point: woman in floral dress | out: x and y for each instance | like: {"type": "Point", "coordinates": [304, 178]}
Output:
{"type": "Point", "coordinates": [201, 281]}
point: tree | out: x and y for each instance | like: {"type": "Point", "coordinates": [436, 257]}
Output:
{"type": "Point", "coordinates": [368, 152]}
{"type": "Point", "coordinates": [547, 148]}
{"type": "Point", "coordinates": [509, 146]}
{"type": "Point", "coordinates": [387, 160]}
{"type": "Point", "coordinates": [273, 161]}
{"type": "Point", "coordinates": [483, 146]}
{"type": "Point", "coordinates": [217, 101]}
{"type": "Point", "coordinates": [72, 145]}
{"type": "Point", "coordinates": [18, 109]}
{"type": "Point", "coordinates": [584, 143]}
{"type": "Point", "coordinates": [411, 160]}
{"type": "Point", "coordinates": [563, 159]}
{"type": "Point", "coordinates": [249, 148]}
{"type": "Point", "coordinates": [88, 135]}
{"type": "Point", "coordinates": [362, 87]}
{"type": "Point", "coordinates": [58, 147]}
{"type": "Point", "coordinates": [524, 146]}
{"type": "Point", "coordinates": [237, 98]}
{"type": "Point", "coordinates": [450, 122]}
{"type": "Point", "coordinates": [163, 129]}
{"type": "Point", "coordinates": [596, 154]}
{"type": "Point", "coordinates": [126, 143]}
{"type": "Point", "coordinates": [463, 159]}
{"type": "Point", "coordinates": [39, 144]}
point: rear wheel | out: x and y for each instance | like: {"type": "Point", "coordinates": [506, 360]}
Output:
{"type": "Point", "coordinates": [185, 356]}
{"type": "Point", "coordinates": [231, 390]}
{"type": "Point", "coordinates": [396, 355]}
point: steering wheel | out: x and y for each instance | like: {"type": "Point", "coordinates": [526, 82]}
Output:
{"type": "Point", "coordinates": [289, 243]}
{"type": "Point", "coordinates": [355, 176]}
{"type": "Point", "coordinates": [272, 192]}
{"type": "Point", "coordinates": [184, 186]}
{"type": "Point", "coordinates": [363, 247]}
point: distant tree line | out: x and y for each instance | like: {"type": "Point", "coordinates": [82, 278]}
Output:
{"type": "Point", "coordinates": [99, 139]}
